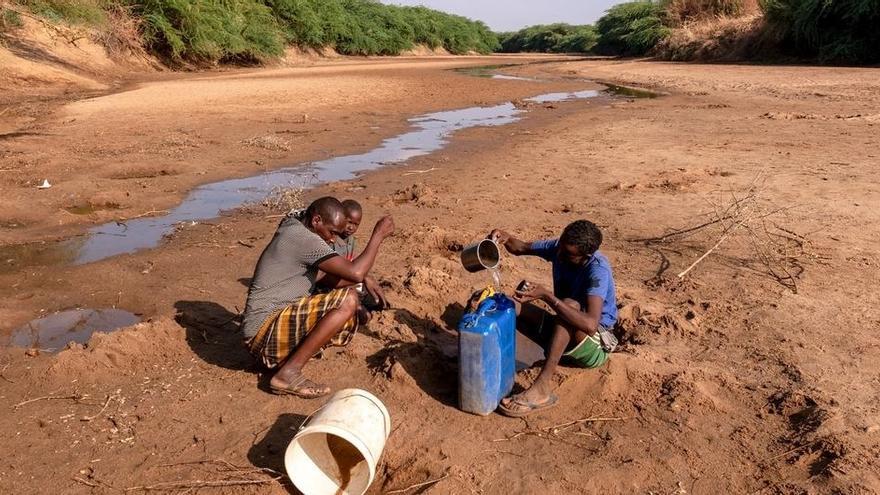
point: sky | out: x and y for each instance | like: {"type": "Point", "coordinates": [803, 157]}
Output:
{"type": "Point", "coordinates": [511, 15]}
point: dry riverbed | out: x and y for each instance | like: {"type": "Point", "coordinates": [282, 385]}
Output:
{"type": "Point", "coordinates": [756, 372]}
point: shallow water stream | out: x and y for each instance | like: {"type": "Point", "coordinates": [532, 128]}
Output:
{"type": "Point", "coordinates": [430, 132]}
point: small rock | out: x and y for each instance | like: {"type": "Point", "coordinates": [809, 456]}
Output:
{"type": "Point", "coordinates": [32, 352]}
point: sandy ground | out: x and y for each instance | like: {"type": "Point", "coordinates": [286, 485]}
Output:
{"type": "Point", "coordinates": [733, 379]}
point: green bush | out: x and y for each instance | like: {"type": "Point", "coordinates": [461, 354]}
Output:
{"type": "Point", "coordinates": [366, 27]}
{"type": "Point", "coordinates": [210, 30]}
{"type": "Point", "coordinates": [9, 19]}
{"type": "Point", "coordinates": [86, 12]}
{"type": "Point", "coordinates": [834, 31]}
{"type": "Point", "coordinates": [555, 38]}
{"type": "Point", "coordinates": [632, 28]}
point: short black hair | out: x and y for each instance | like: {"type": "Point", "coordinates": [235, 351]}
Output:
{"type": "Point", "coordinates": [351, 206]}
{"type": "Point", "coordinates": [584, 234]}
{"type": "Point", "coordinates": [327, 208]}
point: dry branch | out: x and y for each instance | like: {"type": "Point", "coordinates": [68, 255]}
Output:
{"type": "Point", "coordinates": [107, 403]}
{"type": "Point", "coordinates": [679, 232]}
{"type": "Point", "coordinates": [553, 430]}
{"type": "Point", "coordinates": [791, 451]}
{"type": "Point", "coordinates": [418, 485]}
{"type": "Point", "coordinates": [583, 420]}
{"type": "Point", "coordinates": [50, 397]}
{"type": "Point", "coordinates": [419, 171]}
{"type": "Point", "coordinates": [746, 215]}
{"type": "Point", "coordinates": [713, 248]}
{"type": "Point", "coordinates": [146, 214]}
{"type": "Point", "coordinates": [186, 485]}
{"type": "Point", "coordinates": [85, 482]}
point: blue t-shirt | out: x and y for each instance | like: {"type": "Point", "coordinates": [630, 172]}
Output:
{"type": "Point", "coordinates": [593, 278]}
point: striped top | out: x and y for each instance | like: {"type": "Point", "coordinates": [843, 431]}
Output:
{"type": "Point", "coordinates": [286, 272]}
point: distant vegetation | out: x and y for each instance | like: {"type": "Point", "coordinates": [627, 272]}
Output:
{"type": "Point", "coordinates": [830, 31]}
{"type": "Point", "coordinates": [252, 31]}
{"type": "Point", "coordinates": [209, 31]}
{"type": "Point", "coordinates": [631, 28]}
{"type": "Point", "coordinates": [834, 31]}
{"type": "Point", "coordinates": [552, 38]}
{"type": "Point", "coordinates": [360, 27]}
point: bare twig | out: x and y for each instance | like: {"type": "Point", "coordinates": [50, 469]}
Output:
{"type": "Point", "coordinates": [49, 397]}
{"type": "Point", "coordinates": [414, 172]}
{"type": "Point", "coordinates": [553, 430]}
{"type": "Point", "coordinates": [792, 451]}
{"type": "Point", "coordinates": [584, 420]}
{"type": "Point", "coordinates": [492, 451]}
{"type": "Point", "coordinates": [182, 485]}
{"type": "Point", "coordinates": [713, 248]}
{"type": "Point", "coordinates": [107, 403]}
{"type": "Point", "coordinates": [3, 375]}
{"type": "Point", "coordinates": [418, 485]}
{"type": "Point", "coordinates": [146, 214]}
{"type": "Point", "coordinates": [85, 482]}
{"type": "Point", "coordinates": [230, 467]}
{"type": "Point", "coordinates": [678, 232]}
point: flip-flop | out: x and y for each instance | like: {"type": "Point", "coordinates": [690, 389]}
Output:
{"type": "Point", "coordinates": [297, 386]}
{"type": "Point", "coordinates": [552, 399]}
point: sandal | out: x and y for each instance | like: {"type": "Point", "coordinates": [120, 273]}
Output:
{"type": "Point", "coordinates": [519, 407]}
{"type": "Point", "coordinates": [303, 388]}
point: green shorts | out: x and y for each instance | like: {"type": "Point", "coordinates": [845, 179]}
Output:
{"type": "Point", "coordinates": [587, 354]}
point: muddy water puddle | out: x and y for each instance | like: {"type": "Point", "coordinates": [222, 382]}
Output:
{"type": "Point", "coordinates": [53, 333]}
{"type": "Point", "coordinates": [88, 209]}
{"type": "Point", "coordinates": [491, 72]}
{"type": "Point", "coordinates": [628, 92]}
{"type": "Point", "coordinates": [430, 132]}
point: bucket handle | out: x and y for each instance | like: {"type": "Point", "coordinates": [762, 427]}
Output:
{"type": "Point", "coordinates": [316, 411]}
{"type": "Point", "coordinates": [307, 418]}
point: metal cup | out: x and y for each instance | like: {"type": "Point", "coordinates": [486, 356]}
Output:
{"type": "Point", "coordinates": [481, 255]}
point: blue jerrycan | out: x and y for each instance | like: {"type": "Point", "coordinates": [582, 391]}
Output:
{"type": "Point", "coordinates": [487, 355]}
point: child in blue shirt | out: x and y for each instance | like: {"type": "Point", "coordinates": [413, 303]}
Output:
{"type": "Point", "coordinates": [583, 298]}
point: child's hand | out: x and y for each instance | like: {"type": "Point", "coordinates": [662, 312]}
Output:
{"type": "Point", "coordinates": [499, 236]}
{"type": "Point", "coordinates": [530, 291]}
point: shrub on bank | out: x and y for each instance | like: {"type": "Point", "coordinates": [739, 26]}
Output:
{"type": "Point", "coordinates": [722, 39]}
{"type": "Point", "coordinates": [833, 31]}
{"type": "Point", "coordinates": [632, 28]}
{"type": "Point", "coordinates": [88, 12]}
{"type": "Point", "coordinates": [9, 19]}
{"type": "Point", "coordinates": [678, 12]}
{"type": "Point", "coordinates": [209, 31]}
{"type": "Point", "coordinates": [552, 38]}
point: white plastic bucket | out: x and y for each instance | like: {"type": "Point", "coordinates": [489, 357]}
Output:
{"type": "Point", "coordinates": [337, 449]}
